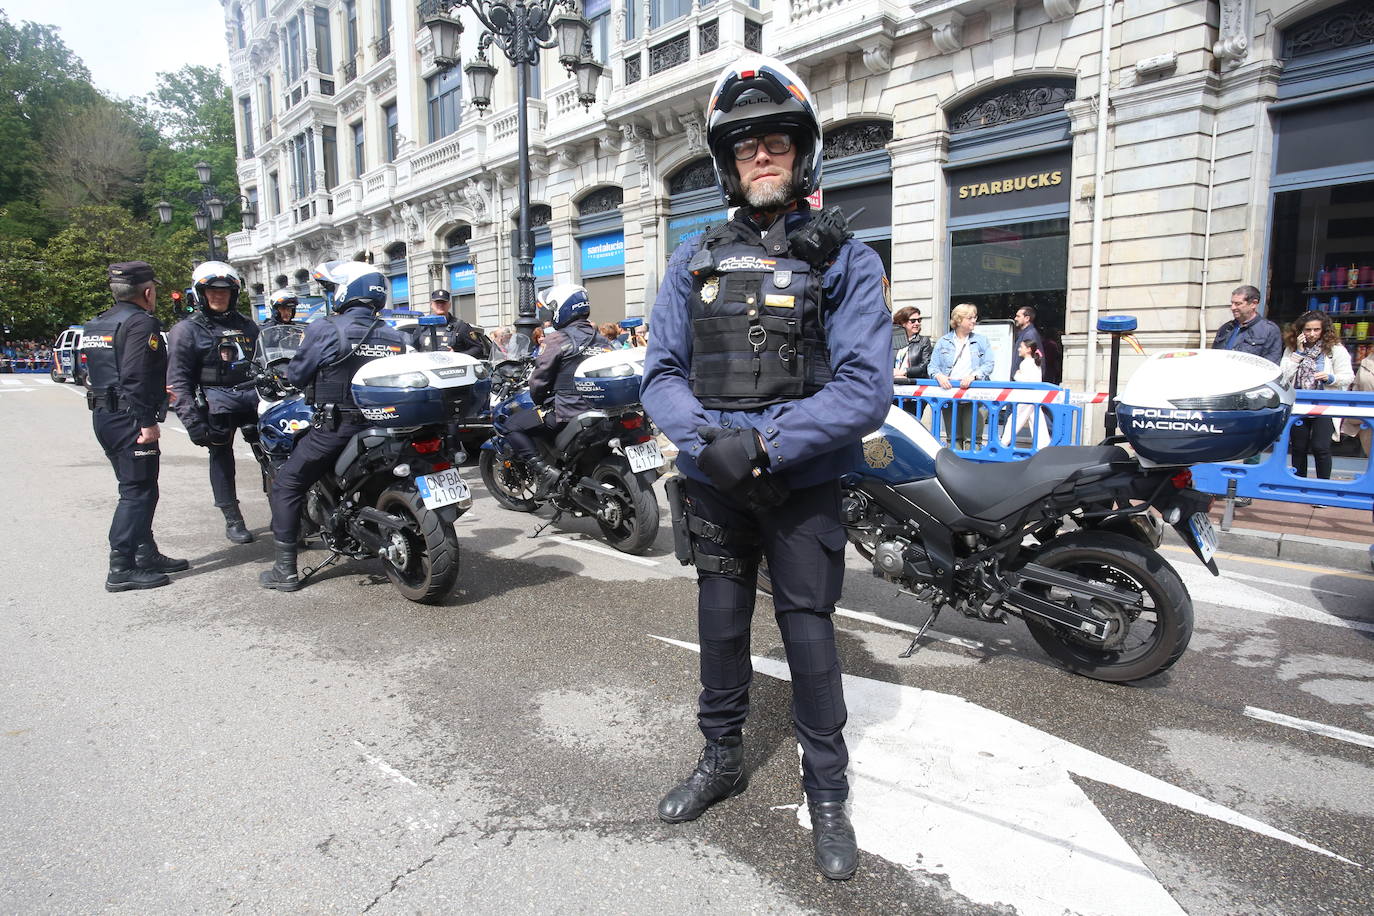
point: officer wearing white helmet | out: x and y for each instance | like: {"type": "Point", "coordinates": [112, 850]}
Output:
{"type": "Point", "coordinates": [770, 360]}
{"type": "Point", "coordinates": [281, 309]}
{"type": "Point", "coordinates": [209, 377]}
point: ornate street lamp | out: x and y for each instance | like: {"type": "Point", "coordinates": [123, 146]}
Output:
{"type": "Point", "coordinates": [520, 28]}
{"type": "Point", "coordinates": [209, 210]}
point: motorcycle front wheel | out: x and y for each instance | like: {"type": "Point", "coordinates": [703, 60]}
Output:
{"type": "Point", "coordinates": [629, 514]}
{"type": "Point", "coordinates": [1142, 641]}
{"type": "Point", "coordinates": [509, 481]}
{"type": "Point", "coordinates": [425, 553]}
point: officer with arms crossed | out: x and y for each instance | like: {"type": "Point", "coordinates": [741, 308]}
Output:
{"type": "Point", "coordinates": [454, 334]}
{"type": "Point", "coordinates": [572, 339]}
{"type": "Point", "coordinates": [332, 350]}
{"type": "Point", "coordinates": [128, 398]}
{"type": "Point", "coordinates": [282, 309]}
{"type": "Point", "coordinates": [209, 379]}
{"type": "Point", "coordinates": [771, 358]}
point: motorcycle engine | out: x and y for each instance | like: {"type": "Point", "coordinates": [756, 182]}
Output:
{"type": "Point", "coordinates": [901, 561]}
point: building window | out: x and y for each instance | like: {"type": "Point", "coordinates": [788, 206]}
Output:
{"type": "Point", "coordinates": [301, 151]}
{"type": "Point", "coordinates": [351, 27]}
{"type": "Point", "coordinates": [265, 106]}
{"type": "Point", "coordinates": [246, 116]}
{"type": "Point", "coordinates": [329, 139]}
{"type": "Point", "coordinates": [598, 13]}
{"type": "Point", "coordinates": [392, 131]}
{"type": "Point", "coordinates": [663, 11]}
{"type": "Point", "coordinates": [252, 195]}
{"type": "Point", "coordinates": [274, 188]}
{"type": "Point", "coordinates": [240, 38]}
{"type": "Point", "coordinates": [631, 20]}
{"type": "Point", "coordinates": [293, 51]}
{"type": "Point", "coordinates": [324, 49]}
{"type": "Point", "coordinates": [445, 90]}
{"type": "Point", "coordinates": [359, 152]}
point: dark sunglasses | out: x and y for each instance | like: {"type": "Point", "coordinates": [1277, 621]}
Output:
{"type": "Point", "coordinates": [748, 148]}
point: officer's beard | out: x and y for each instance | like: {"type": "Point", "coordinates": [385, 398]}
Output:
{"type": "Point", "coordinates": [771, 195]}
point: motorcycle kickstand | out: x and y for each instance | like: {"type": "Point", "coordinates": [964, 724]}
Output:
{"type": "Point", "coordinates": [334, 557]}
{"type": "Point", "coordinates": [915, 640]}
{"type": "Point", "coordinates": [557, 514]}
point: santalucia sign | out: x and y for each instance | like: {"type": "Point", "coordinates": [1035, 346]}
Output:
{"type": "Point", "coordinates": [1008, 185]}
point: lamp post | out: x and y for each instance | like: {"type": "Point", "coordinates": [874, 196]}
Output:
{"type": "Point", "coordinates": [209, 204]}
{"type": "Point", "coordinates": [520, 28]}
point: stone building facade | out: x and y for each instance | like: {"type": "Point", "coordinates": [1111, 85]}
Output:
{"type": "Point", "coordinates": [993, 158]}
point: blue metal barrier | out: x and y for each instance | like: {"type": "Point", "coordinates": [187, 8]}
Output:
{"type": "Point", "coordinates": [994, 421]}
{"type": "Point", "coordinates": [1273, 478]}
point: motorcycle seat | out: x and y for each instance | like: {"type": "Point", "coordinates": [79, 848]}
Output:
{"type": "Point", "coordinates": [996, 491]}
{"type": "Point", "coordinates": [583, 421]}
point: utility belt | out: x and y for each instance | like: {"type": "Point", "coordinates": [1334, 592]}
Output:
{"type": "Point", "coordinates": [332, 416]}
{"type": "Point", "coordinates": [687, 526]}
{"type": "Point", "coordinates": [110, 399]}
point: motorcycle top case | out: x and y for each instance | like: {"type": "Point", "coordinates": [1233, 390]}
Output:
{"type": "Point", "coordinates": [280, 422]}
{"type": "Point", "coordinates": [417, 389]}
{"type": "Point", "coordinates": [611, 379]}
{"type": "Point", "coordinates": [1197, 406]}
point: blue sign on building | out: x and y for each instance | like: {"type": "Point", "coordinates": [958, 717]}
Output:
{"type": "Point", "coordinates": [400, 288]}
{"type": "Point", "coordinates": [603, 253]}
{"type": "Point", "coordinates": [682, 228]}
{"type": "Point", "coordinates": [543, 261]}
{"type": "Point", "coordinates": [462, 278]}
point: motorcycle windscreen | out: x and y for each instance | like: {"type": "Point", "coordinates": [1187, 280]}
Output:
{"type": "Point", "coordinates": [277, 342]}
{"type": "Point", "coordinates": [900, 451]}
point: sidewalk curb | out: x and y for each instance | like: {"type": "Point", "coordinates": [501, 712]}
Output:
{"type": "Point", "coordinates": [1295, 548]}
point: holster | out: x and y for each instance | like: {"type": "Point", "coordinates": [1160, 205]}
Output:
{"type": "Point", "coordinates": [676, 488]}
{"type": "Point", "coordinates": [686, 525]}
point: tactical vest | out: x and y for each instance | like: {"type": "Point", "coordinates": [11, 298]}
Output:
{"type": "Point", "coordinates": [429, 337]}
{"type": "Point", "coordinates": [757, 331]}
{"type": "Point", "coordinates": [226, 355]}
{"type": "Point", "coordinates": [100, 344]}
{"type": "Point", "coordinates": [579, 342]}
{"type": "Point", "coordinates": [361, 344]}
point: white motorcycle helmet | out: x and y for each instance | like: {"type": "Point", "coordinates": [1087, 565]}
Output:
{"type": "Point", "coordinates": [216, 275]}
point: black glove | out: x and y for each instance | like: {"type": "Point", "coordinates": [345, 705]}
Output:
{"type": "Point", "coordinates": [198, 430]}
{"type": "Point", "coordinates": [730, 456]}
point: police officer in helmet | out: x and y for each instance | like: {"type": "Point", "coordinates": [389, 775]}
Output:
{"type": "Point", "coordinates": [282, 309]}
{"type": "Point", "coordinates": [570, 341]}
{"type": "Point", "coordinates": [770, 360]}
{"type": "Point", "coordinates": [127, 365]}
{"type": "Point", "coordinates": [331, 352]}
{"type": "Point", "coordinates": [454, 334]}
{"type": "Point", "coordinates": [210, 379]}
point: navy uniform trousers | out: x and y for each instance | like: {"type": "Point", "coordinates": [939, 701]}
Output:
{"type": "Point", "coordinates": [136, 468]}
{"type": "Point", "coordinates": [311, 458]}
{"type": "Point", "coordinates": [222, 467]}
{"type": "Point", "coordinates": [804, 543]}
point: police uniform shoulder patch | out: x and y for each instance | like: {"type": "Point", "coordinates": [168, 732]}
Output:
{"type": "Point", "coordinates": [154, 341]}
{"type": "Point", "coordinates": [887, 292]}
{"type": "Point", "coordinates": [710, 289]}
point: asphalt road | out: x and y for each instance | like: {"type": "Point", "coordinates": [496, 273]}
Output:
{"type": "Point", "coordinates": [213, 747]}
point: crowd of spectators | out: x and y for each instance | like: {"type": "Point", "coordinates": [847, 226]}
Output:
{"type": "Point", "coordinates": [25, 356]}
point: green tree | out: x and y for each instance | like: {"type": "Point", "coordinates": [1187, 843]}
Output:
{"type": "Point", "coordinates": [27, 303]}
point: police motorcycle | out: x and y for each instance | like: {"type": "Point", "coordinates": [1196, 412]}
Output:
{"type": "Point", "coordinates": [395, 491]}
{"type": "Point", "coordinates": [607, 458]}
{"type": "Point", "coordinates": [1068, 539]}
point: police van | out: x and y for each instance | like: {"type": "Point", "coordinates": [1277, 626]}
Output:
{"type": "Point", "coordinates": [66, 357]}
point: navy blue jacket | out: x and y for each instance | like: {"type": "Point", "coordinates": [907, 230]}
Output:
{"type": "Point", "coordinates": [809, 440]}
{"type": "Point", "coordinates": [321, 346]}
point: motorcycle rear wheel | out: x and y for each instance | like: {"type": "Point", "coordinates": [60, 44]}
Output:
{"type": "Point", "coordinates": [430, 549]}
{"type": "Point", "coordinates": [1155, 637]}
{"type": "Point", "coordinates": [508, 483]}
{"type": "Point", "coordinates": [635, 507]}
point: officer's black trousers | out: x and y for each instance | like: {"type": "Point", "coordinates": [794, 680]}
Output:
{"type": "Point", "coordinates": [136, 468]}
{"type": "Point", "coordinates": [525, 426]}
{"type": "Point", "coordinates": [222, 469]}
{"type": "Point", "coordinates": [311, 458]}
{"type": "Point", "coordinates": [804, 542]}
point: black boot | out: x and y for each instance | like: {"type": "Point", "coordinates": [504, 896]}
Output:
{"type": "Point", "coordinates": [125, 576]}
{"type": "Point", "coordinates": [234, 528]}
{"type": "Point", "coordinates": [545, 476]}
{"type": "Point", "coordinates": [150, 558]}
{"type": "Point", "coordinates": [837, 852]}
{"type": "Point", "coordinates": [282, 576]}
{"type": "Point", "coordinates": [719, 775]}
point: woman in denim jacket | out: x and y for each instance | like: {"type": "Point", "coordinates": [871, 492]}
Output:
{"type": "Point", "coordinates": [961, 358]}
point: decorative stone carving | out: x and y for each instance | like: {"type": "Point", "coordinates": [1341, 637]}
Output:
{"type": "Point", "coordinates": [1013, 103]}
{"type": "Point", "coordinates": [610, 141]}
{"type": "Point", "coordinates": [619, 18]}
{"type": "Point", "coordinates": [693, 177]}
{"type": "Point", "coordinates": [477, 193]}
{"type": "Point", "coordinates": [1349, 25]}
{"type": "Point", "coordinates": [1059, 10]}
{"type": "Point", "coordinates": [947, 30]}
{"type": "Point", "coordinates": [851, 139]}
{"type": "Point", "coordinates": [640, 141]}
{"type": "Point", "coordinates": [1233, 33]}
{"type": "Point", "coordinates": [601, 200]}
{"type": "Point", "coordinates": [878, 56]}
{"type": "Point", "coordinates": [694, 126]}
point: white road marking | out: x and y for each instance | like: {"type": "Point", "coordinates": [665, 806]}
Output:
{"type": "Point", "coordinates": [1228, 574]}
{"type": "Point", "coordinates": [1316, 728]}
{"type": "Point", "coordinates": [10, 381]}
{"type": "Point", "coordinates": [1206, 588]}
{"type": "Point", "coordinates": [385, 767]}
{"type": "Point", "coordinates": [908, 628]}
{"type": "Point", "coordinates": [940, 783]}
{"type": "Point", "coordinates": [597, 548]}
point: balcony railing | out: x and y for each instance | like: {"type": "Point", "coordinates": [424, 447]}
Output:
{"type": "Point", "coordinates": [349, 70]}
{"type": "Point", "coordinates": [381, 46]}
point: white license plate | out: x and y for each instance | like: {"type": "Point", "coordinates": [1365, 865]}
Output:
{"type": "Point", "coordinates": [442, 488]}
{"type": "Point", "coordinates": [1204, 534]}
{"type": "Point", "coordinates": [646, 456]}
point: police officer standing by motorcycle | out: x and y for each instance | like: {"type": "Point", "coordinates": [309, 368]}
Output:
{"type": "Point", "coordinates": [770, 359]}
{"type": "Point", "coordinates": [454, 334]}
{"type": "Point", "coordinates": [552, 387]}
{"type": "Point", "coordinates": [282, 310]}
{"type": "Point", "coordinates": [127, 365]}
{"type": "Point", "coordinates": [332, 350]}
{"type": "Point", "coordinates": [210, 380]}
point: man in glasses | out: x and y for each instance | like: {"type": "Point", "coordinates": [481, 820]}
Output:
{"type": "Point", "coordinates": [769, 362]}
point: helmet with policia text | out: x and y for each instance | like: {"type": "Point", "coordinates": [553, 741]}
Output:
{"type": "Point", "coordinates": [216, 275]}
{"type": "Point", "coordinates": [351, 282]}
{"type": "Point", "coordinates": [567, 302]}
{"type": "Point", "coordinates": [756, 96]}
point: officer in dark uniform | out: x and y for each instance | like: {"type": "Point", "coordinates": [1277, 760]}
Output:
{"type": "Point", "coordinates": [331, 352]}
{"type": "Point", "coordinates": [770, 359]}
{"type": "Point", "coordinates": [281, 309]}
{"type": "Point", "coordinates": [127, 365]}
{"type": "Point", "coordinates": [454, 334]}
{"type": "Point", "coordinates": [552, 387]}
{"type": "Point", "coordinates": [210, 379]}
